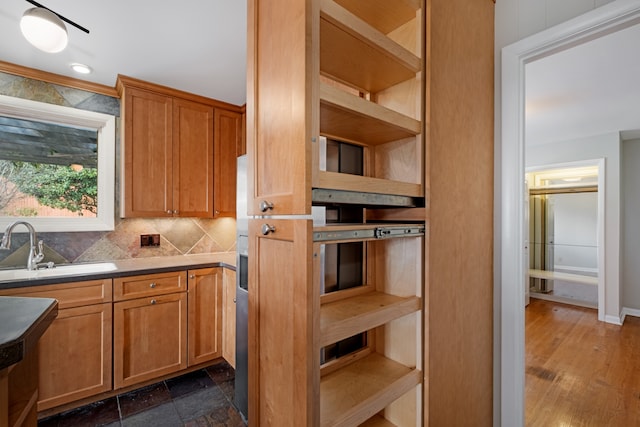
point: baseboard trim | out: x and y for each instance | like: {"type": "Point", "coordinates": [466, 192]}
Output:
{"type": "Point", "coordinates": [626, 311]}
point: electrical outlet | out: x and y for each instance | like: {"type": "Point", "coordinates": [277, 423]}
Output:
{"type": "Point", "coordinates": [150, 240]}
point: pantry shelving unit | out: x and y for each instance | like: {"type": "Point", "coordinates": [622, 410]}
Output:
{"type": "Point", "coordinates": [324, 76]}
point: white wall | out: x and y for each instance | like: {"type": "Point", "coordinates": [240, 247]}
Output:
{"type": "Point", "coordinates": [631, 225]}
{"type": "Point", "coordinates": [607, 146]}
{"type": "Point", "coordinates": [575, 232]}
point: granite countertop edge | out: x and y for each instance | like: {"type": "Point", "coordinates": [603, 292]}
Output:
{"type": "Point", "coordinates": [135, 266]}
{"type": "Point", "coordinates": [23, 321]}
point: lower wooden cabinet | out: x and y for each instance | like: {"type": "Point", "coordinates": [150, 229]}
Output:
{"type": "Point", "coordinates": [153, 328]}
{"type": "Point", "coordinates": [75, 352]}
{"type": "Point", "coordinates": [75, 355]}
{"type": "Point", "coordinates": [205, 315]}
{"type": "Point", "coordinates": [229, 317]}
{"type": "Point", "coordinates": [149, 338]}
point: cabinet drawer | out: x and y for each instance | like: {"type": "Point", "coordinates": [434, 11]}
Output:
{"type": "Point", "coordinates": [74, 294]}
{"type": "Point", "coordinates": [125, 288]}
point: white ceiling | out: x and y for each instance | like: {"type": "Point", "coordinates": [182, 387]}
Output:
{"type": "Point", "coordinates": [198, 46]}
{"type": "Point", "coordinates": [590, 89]}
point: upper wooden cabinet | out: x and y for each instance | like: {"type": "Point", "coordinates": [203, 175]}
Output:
{"type": "Point", "coordinates": [178, 152]}
{"type": "Point", "coordinates": [228, 145]}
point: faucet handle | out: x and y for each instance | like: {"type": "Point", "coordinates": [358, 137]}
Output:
{"type": "Point", "coordinates": [6, 242]}
{"type": "Point", "coordinates": [40, 254]}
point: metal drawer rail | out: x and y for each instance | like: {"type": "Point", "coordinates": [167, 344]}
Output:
{"type": "Point", "coordinates": [381, 232]}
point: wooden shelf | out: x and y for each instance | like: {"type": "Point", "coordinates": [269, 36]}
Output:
{"type": "Point", "coordinates": [366, 57]}
{"type": "Point", "coordinates": [567, 277]}
{"type": "Point", "coordinates": [377, 421]}
{"type": "Point", "coordinates": [350, 316]}
{"type": "Point", "coordinates": [351, 395]}
{"type": "Point", "coordinates": [384, 15]}
{"type": "Point", "coordinates": [345, 116]}
{"type": "Point", "coordinates": [366, 184]}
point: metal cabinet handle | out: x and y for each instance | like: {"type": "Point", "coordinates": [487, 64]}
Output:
{"type": "Point", "coordinates": [265, 206]}
{"type": "Point", "coordinates": [169, 211]}
{"type": "Point", "coordinates": [192, 276]}
{"type": "Point", "coordinates": [153, 302]}
{"type": "Point", "coordinates": [266, 229]}
{"type": "Point", "coordinates": [152, 285]}
{"type": "Point", "coordinates": [176, 212]}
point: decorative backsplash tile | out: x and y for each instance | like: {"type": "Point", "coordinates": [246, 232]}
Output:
{"type": "Point", "coordinates": [178, 236]}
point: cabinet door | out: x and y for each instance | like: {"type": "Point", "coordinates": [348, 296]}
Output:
{"type": "Point", "coordinates": [281, 97]}
{"type": "Point", "coordinates": [229, 316]}
{"type": "Point", "coordinates": [75, 356]}
{"type": "Point", "coordinates": [283, 366]}
{"type": "Point", "coordinates": [205, 315]}
{"type": "Point", "coordinates": [147, 154]}
{"type": "Point", "coordinates": [192, 159]}
{"type": "Point", "coordinates": [149, 338]}
{"type": "Point", "coordinates": [228, 133]}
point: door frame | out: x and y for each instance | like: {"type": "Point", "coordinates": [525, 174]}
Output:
{"type": "Point", "coordinates": [604, 20]}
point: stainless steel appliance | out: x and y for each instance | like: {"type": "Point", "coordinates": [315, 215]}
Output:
{"type": "Point", "coordinates": [242, 296]}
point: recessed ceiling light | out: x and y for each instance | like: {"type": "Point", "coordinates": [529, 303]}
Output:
{"type": "Point", "coordinates": [80, 68]}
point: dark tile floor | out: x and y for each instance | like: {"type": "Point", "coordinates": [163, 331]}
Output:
{"type": "Point", "coordinates": [202, 398]}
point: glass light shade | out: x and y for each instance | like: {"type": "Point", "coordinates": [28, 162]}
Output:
{"type": "Point", "coordinates": [43, 29]}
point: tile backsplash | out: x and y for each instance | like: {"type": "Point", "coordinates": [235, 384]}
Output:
{"type": "Point", "coordinates": [178, 236]}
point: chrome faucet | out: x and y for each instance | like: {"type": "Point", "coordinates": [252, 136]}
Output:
{"type": "Point", "coordinates": [35, 254]}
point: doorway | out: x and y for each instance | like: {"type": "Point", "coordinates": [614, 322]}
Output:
{"type": "Point", "coordinates": [608, 19]}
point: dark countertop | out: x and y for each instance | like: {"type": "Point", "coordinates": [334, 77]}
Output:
{"type": "Point", "coordinates": [22, 323]}
{"type": "Point", "coordinates": [105, 270]}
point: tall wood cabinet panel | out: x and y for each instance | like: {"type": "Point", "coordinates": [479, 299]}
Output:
{"type": "Point", "coordinates": [327, 77]}
{"type": "Point", "coordinates": [75, 352]}
{"type": "Point", "coordinates": [460, 306]}
{"type": "Point", "coordinates": [205, 315]}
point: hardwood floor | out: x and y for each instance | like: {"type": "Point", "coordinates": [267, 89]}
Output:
{"type": "Point", "coordinates": [580, 372]}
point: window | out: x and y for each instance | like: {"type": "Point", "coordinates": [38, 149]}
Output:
{"type": "Point", "coordinates": [56, 166]}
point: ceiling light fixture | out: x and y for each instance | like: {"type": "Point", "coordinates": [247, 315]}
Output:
{"type": "Point", "coordinates": [80, 68]}
{"type": "Point", "coordinates": [44, 28]}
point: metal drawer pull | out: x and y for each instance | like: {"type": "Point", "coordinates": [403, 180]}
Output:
{"type": "Point", "coordinates": [265, 206]}
{"type": "Point", "coordinates": [266, 229]}
{"type": "Point", "coordinates": [153, 302]}
{"type": "Point", "coordinates": [193, 276]}
{"type": "Point", "coordinates": [152, 285]}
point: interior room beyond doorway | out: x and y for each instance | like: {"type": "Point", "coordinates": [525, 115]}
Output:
{"type": "Point", "coordinates": [563, 235]}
